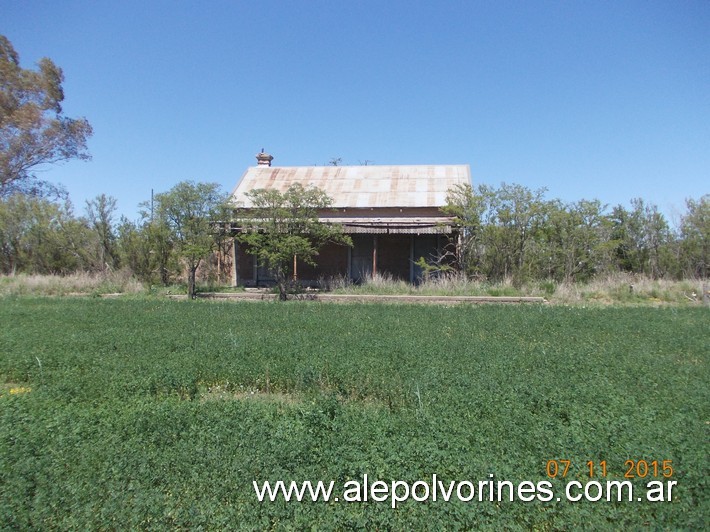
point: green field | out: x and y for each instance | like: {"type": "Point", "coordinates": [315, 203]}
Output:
{"type": "Point", "coordinates": [158, 414]}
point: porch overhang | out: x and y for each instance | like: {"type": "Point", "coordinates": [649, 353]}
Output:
{"type": "Point", "coordinates": [393, 225]}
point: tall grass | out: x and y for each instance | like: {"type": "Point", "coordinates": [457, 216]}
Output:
{"type": "Point", "coordinates": [613, 289]}
{"type": "Point", "coordinates": [617, 289]}
{"type": "Point", "coordinates": [631, 289]}
{"type": "Point", "coordinates": [121, 282]}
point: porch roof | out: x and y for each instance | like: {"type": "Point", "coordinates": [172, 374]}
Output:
{"type": "Point", "coordinates": [392, 225]}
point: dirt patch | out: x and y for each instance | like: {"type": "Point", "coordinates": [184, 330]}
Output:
{"type": "Point", "coordinates": [14, 388]}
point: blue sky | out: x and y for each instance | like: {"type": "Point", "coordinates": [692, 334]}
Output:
{"type": "Point", "coordinates": [590, 99]}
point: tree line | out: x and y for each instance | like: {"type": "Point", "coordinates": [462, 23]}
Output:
{"type": "Point", "coordinates": [508, 232]}
{"type": "Point", "coordinates": [512, 232]}
{"type": "Point", "coordinates": [41, 235]}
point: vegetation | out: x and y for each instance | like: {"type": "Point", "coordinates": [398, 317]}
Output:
{"type": "Point", "coordinates": [187, 214]}
{"type": "Point", "coordinates": [93, 284]}
{"type": "Point", "coordinates": [279, 227]}
{"type": "Point", "coordinates": [103, 421]}
{"type": "Point", "coordinates": [33, 130]}
{"type": "Point", "coordinates": [548, 243]}
{"type": "Point", "coordinates": [514, 233]}
{"type": "Point", "coordinates": [616, 289]}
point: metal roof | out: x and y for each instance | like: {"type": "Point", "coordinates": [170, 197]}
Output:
{"type": "Point", "coordinates": [360, 186]}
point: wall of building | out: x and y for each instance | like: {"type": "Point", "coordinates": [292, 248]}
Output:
{"type": "Point", "coordinates": [332, 261]}
{"type": "Point", "coordinates": [388, 254]}
{"type": "Point", "coordinates": [394, 255]}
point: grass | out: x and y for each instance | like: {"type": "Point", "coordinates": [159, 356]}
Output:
{"type": "Point", "coordinates": [94, 284]}
{"type": "Point", "coordinates": [74, 284]}
{"type": "Point", "coordinates": [618, 289]}
{"type": "Point", "coordinates": [632, 290]}
{"type": "Point", "coordinates": [150, 413]}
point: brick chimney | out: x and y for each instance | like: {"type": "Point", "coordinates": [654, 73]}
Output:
{"type": "Point", "coordinates": [263, 159]}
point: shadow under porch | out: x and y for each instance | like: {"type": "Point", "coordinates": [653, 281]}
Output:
{"type": "Point", "coordinates": [392, 255]}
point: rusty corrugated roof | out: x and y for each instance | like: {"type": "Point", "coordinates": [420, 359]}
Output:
{"type": "Point", "coordinates": [361, 186]}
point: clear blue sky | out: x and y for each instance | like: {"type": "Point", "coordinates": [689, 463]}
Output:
{"type": "Point", "coordinates": [591, 99]}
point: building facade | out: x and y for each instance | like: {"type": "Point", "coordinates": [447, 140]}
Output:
{"type": "Point", "coordinates": [392, 213]}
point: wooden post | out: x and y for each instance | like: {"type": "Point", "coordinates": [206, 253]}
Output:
{"type": "Point", "coordinates": [411, 259]}
{"type": "Point", "coordinates": [374, 256]}
{"type": "Point", "coordinates": [295, 267]}
{"type": "Point", "coordinates": [459, 250]}
{"type": "Point", "coordinates": [350, 263]}
{"type": "Point", "coordinates": [235, 267]}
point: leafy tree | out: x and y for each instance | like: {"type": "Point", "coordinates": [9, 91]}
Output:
{"type": "Point", "coordinates": [99, 213]}
{"type": "Point", "coordinates": [500, 228]}
{"type": "Point", "coordinates": [41, 236]}
{"type": "Point", "coordinates": [695, 238]}
{"type": "Point", "coordinates": [163, 258]}
{"type": "Point", "coordinates": [33, 130]}
{"type": "Point", "coordinates": [519, 214]}
{"type": "Point", "coordinates": [132, 248]}
{"type": "Point", "coordinates": [642, 236]}
{"type": "Point", "coordinates": [146, 248]}
{"type": "Point", "coordinates": [281, 226]}
{"type": "Point", "coordinates": [189, 211]}
{"type": "Point", "coordinates": [514, 232]}
{"type": "Point", "coordinates": [574, 241]}
{"type": "Point", "coordinates": [468, 206]}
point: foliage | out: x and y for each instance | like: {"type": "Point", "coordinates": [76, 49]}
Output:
{"type": "Point", "coordinates": [99, 213]}
{"type": "Point", "coordinates": [695, 238]}
{"type": "Point", "coordinates": [41, 236]}
{"type": "Point", "coordinates": [433, 267]}
{"type": "Point", "coordinates": [281, 226]}
{"type": "Point", "coordinates": [188, 216]}
{"type": "Point", "coordinates": [509, 234]}
{"type": "Point", "coordinates": [614, 289]}
{"type": "Point", "coordinates": [119, 424]}
{"type": "Point", "coordinates": [73, 284]}
{"type": "Point", "coordinates": [513, 232]}
{"type": "Point", "coordinates": [33, 130]}
{"type": "Point", "coordinates": [641, 234]}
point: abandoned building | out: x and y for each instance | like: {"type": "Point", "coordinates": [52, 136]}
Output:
{"type": "Point", "coordinates": [392, 213]}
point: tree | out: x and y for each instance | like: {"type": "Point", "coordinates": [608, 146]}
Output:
{"type": "Point", "coordinates": [574, 243]}
{"type": "Point", "coordinates": [641, 236]}
{"type": "Point", "coordinates": [519, 214]}
{"type": "Point", "coordinates": [146, 248]}
{"type": "Point", "coordinates": [695, 238]}
{"type": "Point", "coordinates": [41, 237]}
{"type": "Point", "coordinates": [468, 207]}
{"type": "Point", "coordinates": [99, 213]}
{"type": "Point", "coordinates": [282, 226]}
{"type": "Point", "coordinates": [133, 249]}
{"type": "Point", "coordinates": [33, 130]}
{"type": "Point", "coordinates": [191, 212]}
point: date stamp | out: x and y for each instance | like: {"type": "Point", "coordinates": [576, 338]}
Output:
{"type": "Point", "coordinates": [560, 468]}
{"type": "Point", "coordinates": [622, 484]}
